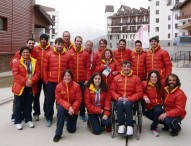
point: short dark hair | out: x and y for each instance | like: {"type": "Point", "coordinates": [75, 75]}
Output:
{"type": "Point", "coordinates": [154, 38]}
{"type": "Point", "coordinates": [67, 71]}
{"type": "Point", "coordinates": [103, 40]}
{"type": "Point", "coordinates": [103, 84]}
{"type": "Point", "coordinates": [177, 80]}
{"type": "Point", "coordinates": [126, 62]}
{"type": "Point", "coordinates": [30, 39]}
{"type": "Point", "coordinates": [59, 41]}
{"type": "Point", "coordinates": [24, 48]}
{"type": "Point", "coordinates": [138, 41]}
{"type": "Point", "coordinates": [122, 40]}
{"type": "Point", "coordinates": [158, 83]}
{"type": "Point", "coordinates": [78, 37]}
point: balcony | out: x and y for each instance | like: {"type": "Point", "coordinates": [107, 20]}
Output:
{"type": "Point", "coordinates": [123, 31]}
{"type": "Point", "coordinates": [183, 17]}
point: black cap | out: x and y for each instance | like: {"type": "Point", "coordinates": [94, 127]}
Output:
{"type": "Point", "coordinates": [154, 38]}
{"type": "Point", "coordinates": [44, 36]}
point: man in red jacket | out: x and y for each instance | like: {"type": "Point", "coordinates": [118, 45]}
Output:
{"type": "Point", "coordinates": [66, 38]}
{"type": "Point", "coordinates": [158, 59]}
{"type": "Point", "coordinates": [126, 89]}
{"type": "Point", "coordinates": [174, 105]}
{"type": "Point", "coordinates": [41, 50]}
{"type": "Point", "coordinates": [55, 63]}
{"type": "Point", "coordinates": [138, 60]}
{"type": "Point", "coordinates": [79, 63]}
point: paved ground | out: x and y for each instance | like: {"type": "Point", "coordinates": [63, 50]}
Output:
{"type": "Point", "coordinates": [42, 136]}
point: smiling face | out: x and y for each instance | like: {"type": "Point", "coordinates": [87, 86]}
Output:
{"type": "Point", "coordinates": [154, 78]}
{"type": "Point", "coordinates": [78, 42]}
{"type": "Point", "coordinates": [30, 44]}
{"type": "Point", "coordinates": [66, 37]}
{"type": "Point", "coordinates": [59, 47]}
{"type": "Point", "coordinates": [172, 82]}
{"type": "Point", "coordinates": [138, 47]}
{"type": "Point", "coordinates": [43, 42]}
{"type": "Point", "coordinates": [107, 54]}
{"type": "Point", "coordinates": [25, 54]}
{"type": "Point", "coordinates": [67, 78]}
{"type": "Point", "coordinates": [126, 68]}
{"type": "Point", "coordinates": [97, 81]}
{"type": "Point", "coordinates": [154, 43]}
{"type": "Point", "coordinates": [122, 45]}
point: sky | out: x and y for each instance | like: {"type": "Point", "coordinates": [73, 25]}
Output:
{"type": "Point", "coordinates": [86, 17]}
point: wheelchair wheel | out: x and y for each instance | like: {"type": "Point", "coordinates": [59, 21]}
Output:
{"type": "Point", "coordinates": [140, 117]}
{"type": "Point", "coordinates": [113, 122]}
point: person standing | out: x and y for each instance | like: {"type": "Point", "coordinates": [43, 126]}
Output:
{"type": "Point", "coordinates": [89, 50]}
{"type": "Point", "coordinates": [68, 98]}
{"type": "Point", "coordinates": [174, 105]}
{"type": "Point", "coordinates": [55, 63]}
{"type": "Point", "coordinates": [67, 42]}
{"type": "Point", "coordinates": [138, 60]}
{"type": "Point", "coordinates": [25, 73]}
{"type": "Point", "coordinates": [126, 89]}
{"type": "Point", "coordinates": [153, 93]}
{"type": "Point", "coordinates": [158, 59]}
{"type": "Point", "coordinates": [41, 50]}
{"type": "Point", "coordinates": [98, 103]}
{"type": "Point", "coordinates": [79, 63]}
{"type": "Point", "coordinates": [122, 53]}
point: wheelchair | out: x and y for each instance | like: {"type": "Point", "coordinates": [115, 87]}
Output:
{"type": "Point", "coordinates": [137, 120]}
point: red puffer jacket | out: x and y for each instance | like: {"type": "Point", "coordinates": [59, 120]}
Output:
{"type": "Point", "coordinates": [126, 85]}
{"type": "Point", "coordinates": [18, 56]}
{"type": "Point", "coordinates": [40, 55]}
{"type": "Point", "coordinates": [97, 56]}
{"type": "Point", "coordinates": [138, 61]}
{"type": "Point", "coordinates": [105, 101]}
{"type": "Point", "coordinates": [92, 65]}
{"type": "Point", "coordinates": [79, 63]}
{"type": "Point", "coordinates": [174, 102]}
{"type": "Point", "coordinates": [69, 95]}
{"type": "Point", "coordinates": [100, 68]}
{"type": "Point", "coordinates": [151, 92]}
{"type": "Point", "coordinates": [54, 65]}
{"type": "Point", "coordinates": [160, 61]}
{"type": "Point", "coordinates": [20, 75]}
{"type": "Point", "coordinates": [120, 55]}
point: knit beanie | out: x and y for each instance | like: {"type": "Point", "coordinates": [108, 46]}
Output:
{"type": "Point", "coordinates": [44, 36]}
{"type": "Point", "coordinates": [155, 38]}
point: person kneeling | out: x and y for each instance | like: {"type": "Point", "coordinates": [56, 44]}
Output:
{"type": "Point", "coordinates": [68, 98]}
{"type": "Point", "coordinates": [98, 104]}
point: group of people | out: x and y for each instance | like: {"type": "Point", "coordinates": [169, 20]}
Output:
{"type": "Point", "coordinates": [78, 79]}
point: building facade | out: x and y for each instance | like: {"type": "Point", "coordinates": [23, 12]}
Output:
{"type": "Point", "coordinates": [124, 25]}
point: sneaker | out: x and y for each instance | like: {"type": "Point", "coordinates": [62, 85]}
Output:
{"type": "Point", "coordinates": [129, 130]}
{"type": "Point", "coordinates": [174, 132]}
{"type": "Point", "coordinates": [36, 117]}
{"type": "Point", "coordinates": [165, 128]}
{"type": "Point", "coordinates": [13, 121]}
{"type": "Point", "coordinates": [48, 123]}
{"type": "Point", "coordinates": [56, 138]}
{"type": "Point", "coordinates": [108, 128]}
{"type": "Point", "coordinates": [155, 132]}
{"type": "Point", "coordinates": [30, 124]}
{"type": "Point", "coordinates": [121, 129]}
{"type": "Point", "coordinates": [83, 118]}
{"type": "Point", "coordinates": [18, 126]}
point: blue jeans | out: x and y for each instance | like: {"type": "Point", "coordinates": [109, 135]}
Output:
{"type": "Point", "coordinates": [172, 123]}
{"type": "Point", "coordinates": [82, 106]}
{"type": "Point", "coordinates": [124, 108]}
{"type": "Point", "coordinates": [71, 121]}
{"type": "Point", "coordinates": [153, 115]}
{"type": "Point", "coordinates": [96, 122]}
{"type": "Point", "coordinates": [23, 106]}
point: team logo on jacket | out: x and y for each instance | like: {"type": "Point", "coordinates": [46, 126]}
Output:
{"type": "Point", "coordinates": [72, 54]}
{"type": "Point", "coordinates": [133, 56]}
{"type": "Point", "coordinates": [52, 55]}
{"type": "Point", "coordinates": [92, 92]}
{"type": "Point", "coordinates": [62, 92]}
{"type": "Point", "coordinates": [120, 80]}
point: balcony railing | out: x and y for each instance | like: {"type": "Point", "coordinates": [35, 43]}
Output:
{"type": "Point", "coordinates": [184, 17]}
{"type": "Point", "coordinates": [122, 31]}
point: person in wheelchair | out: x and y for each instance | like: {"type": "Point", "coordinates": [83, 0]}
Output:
{"type": "Point", "coordinates": [98, 103]}
{"type": "Point", "coordinates": [126, 89]}
{"type": "Point", "coordinates": [174, 103]}
{"type": "Point", "coordinates": [153, 99]}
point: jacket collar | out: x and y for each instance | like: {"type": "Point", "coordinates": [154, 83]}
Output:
{"type": "Point", "coordinates": [174, 90]}
{"type": "Point", "coordinates": [63, 50]}
{"type": "Point", "coordinates": [81, 49]}
{"type": "Point", "coordinates": [103, 60]}
{"type": "Point", "coordinates": [40, 46]}
{"type": "Point", "coordinates": [151, 84]}
{"type": "Point", "coordinates": [92, 87]}
{"type": "Point", "coordinates": [141, 51]}
{"type": "Point", "coordinates": [128, 75]}
{"type": "Point", "coordinates": [156, 49]}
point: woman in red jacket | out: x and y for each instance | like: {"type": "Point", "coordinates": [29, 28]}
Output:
{"type": "Point", "coordinates": [98, 103]}
{"type": "Point", "coordinates": [174, 105]}
{"type": "Point", "coordinates": [107, 65]}
{"type": "Point", "coordinates": [68, 98]}
{"type": "Point", "coordinates": [153, 99]}
{"type": "Point", "coordinates": [26, 74]}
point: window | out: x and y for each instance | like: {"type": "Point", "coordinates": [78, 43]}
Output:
{"type": "Point", "coordinates": [168, 43]}
{"type": "Point", "coordinates": [157, 3]}
{"type": "Point", "coordinates": [176, 25]}
{"type": "Point", "coordinates": [157, 20]}
{"type": "Point", "coordinates": [169, 26]}
{"type": "Point", "coordinates": [169, 18]}
{"type": "Point", "coordinates": [157, 29]}
{"type": "Point", "coordinates": [110, 45]}
{"type": "Point", "coordinates": [183, 33]}
{"type": "Point", "coordinates": [117, 44]}
{"type": "Point", "coordinates": [176, 34]}
{"type": "Point", "coordinates": [110, 37]}
{"type": "Point", "coordinates": [157, 11]}
{"type": "Point", "coordinates": [117, 37]}
{"type": "Point", "coordinates": [3, 23]}
{"type": "Point", "coordinates": [169, 2]}
{"type": "Point", "coordinates": [183, 22]}
{"type": "Point", "coordinates": [177, 1]}
{"type": "Point", "coordinates": [176, 16]}
{"type": "Point", "coordinates": [169, 35]}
